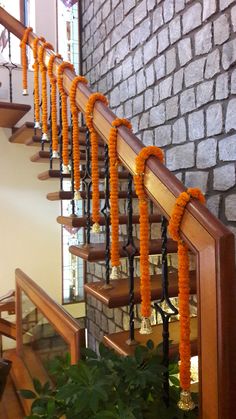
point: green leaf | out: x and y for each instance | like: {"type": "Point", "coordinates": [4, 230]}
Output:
{"type": "Point", "coordinates": [51, 407]}
{"type": "Point", "coordinates": [27, 394]}
{"type": "Point", "coordinates": [174, 380]}
{"type": "Point", "coordinates": [37, 386]}
{"type": "Point", "coordinates": [150, 344]}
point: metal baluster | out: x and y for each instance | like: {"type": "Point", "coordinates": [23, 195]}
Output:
{"type": "Point", "coordinates": [60, 143]}
{"type": "Point", "coordinates": [130, 250]}
{"type": "Point", "coordinates": [87, 185]}
{"type": "Point", "coordinates": [50, 132]}
{"type": "Point", "coordinates": [106, 212]}
{"type": "Point", "coordinates": [10, 66]}
{"type": "Point", "coordinates": [72, 167]}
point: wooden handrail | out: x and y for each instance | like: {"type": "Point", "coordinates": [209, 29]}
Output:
{"type": "Point", "coordinates": [207, 237]}
{"type": "Point", "coordinates": [60, 319]}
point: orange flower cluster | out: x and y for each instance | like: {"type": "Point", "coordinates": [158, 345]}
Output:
{"type": "Point", "coordinates": [53, 83]}
{"type": "Point", "coordinates": [94, 149]}
{"type": "Point", "coordinates": [36, 81]}
{"type": "Point", "coordinates": [65, 136]}
{"type": "Point", "coordinates": [174, 230]}
{"type": "Point", "coordinates": [112, 143]}
{"type": "Point", "coordinates": [145, 287]}
{"type": "Point", "coordinates": [43, 70]}
{"type": "Point", "coordinates": [24, 60]}
{"type": "Point", "coordinates": [75, 136]}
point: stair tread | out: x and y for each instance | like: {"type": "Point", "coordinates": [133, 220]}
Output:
{"type": "Point", "coordinates": [118, 296]}
{"type": "Point", "coordinates": [55, 174]}
{"type": "Point", "coordinates": [43, 156]}
{"type": "Point", "coordinates": [11, 113]}
{"type": "Point", "coordinates": [96, 251]}
{"type": "Point", "coordinates": [22, 134]}
{"type": "Point", "coordinates": [74, 221]}
{"type": "Point", "coordinates": [36, 140]}
{"type": "Point", "coordinates": [67, 195]}
{"type": "Point", "coordinates": [10, 406]}
{"type": "Point", "coordinates": [117, 341]}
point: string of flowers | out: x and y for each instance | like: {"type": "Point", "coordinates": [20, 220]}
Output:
{"type": "Point", "coordinates": [43, 70]}
{"type": "Point", "coordinates": [114, 206]}
{"type": "Point", "coordinates": [36, 82]}
{"type": "Point", "coordinates": [53, 83]}
{"type": "Point", "coordinates": [65, 136]}
{"type": "Point", "coordinates": [145, 287]}
{"type": "Point", "coordinates": [185, 402]}
{"type": "Point", "coordinates": [75, 134]}
{"type": "Point", "coordinates": [94, 150]}
{"type": "Point", "coordinates": [24, 60]}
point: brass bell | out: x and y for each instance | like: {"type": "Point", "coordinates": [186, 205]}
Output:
{"type": "Point", "coordinates": [77, 195]}
{"type": "Point", "coordinates": [65, 169]}
{"type": "Point", "coordinates": [25, 92]}
{"type": "Point", "coordinates": [186, 403]}
{"type": "Point", "coordinates": [45, 137]}
{"type": "Point", "coordinates": [55, 155]}
{"type": "Point", "coordinates": [115, 272]}
{"type": "Point", "coordinates": [37, 125]}
{"type": "Point", "coordinates": [96, 228]}
{"type": "Point", "coordinates": [146, 328]}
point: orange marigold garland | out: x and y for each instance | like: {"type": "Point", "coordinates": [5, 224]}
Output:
{"type": "Point", "coordinates": [53, 83]}
{"type": "Point", "coordinates": [94, 149]}
{"type": "Point", "coordinates": [24, 60]}
{"type": "Point", "coordinates": [185, 402]}
{"type": "Point", "coordinates": [114, 211]}
{"type": "Point", "coordinates": [145, 287]}
{"type": "Point", "coordinates": [36, 82]}
{"type": "Point", "coordinates": [65, 136]}
{"type": "Point", "coordinates": [75, 134]}
{"type": "Point", "coordinates": [43, 70]}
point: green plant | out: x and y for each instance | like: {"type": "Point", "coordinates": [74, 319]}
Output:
{"type": "Point", "coordinates": [108, 387]}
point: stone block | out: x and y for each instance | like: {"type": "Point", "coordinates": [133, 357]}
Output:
{"type": "Point", "coordinates": [128, 5]}
{"type": "Point", "coordinates": [163, 40]}
{"type": "Point", "coordinates": [187, 101]}
{"type": "Point", "coordinates": [150, 50]}
{"type": "Point", "coordinates": [156, 96]}
{"type": "Point", "coordinates": [104, 323]}
{"type": "Point", "coordinates": [148, 98]}
{"type": "Point", "coordinates": [214, 119]}
{"type": "Point", "coordinates": [172, 108]}
{"type": "Point", "coordinates": [138, 59]}
{"type": "Point", "coordinates": [225, 3]}
{"type": "Point", "coordinates": [227, 148]}
{"type": "Point", "coordinates": [127, 67]}
{"type": "Point", "coordinates": [175, 30]}
{"type": "Point", "coordinates": [180, 157]}
{"type": "Point", "coordinates": [138, 105]}
{"type": "Point", "coordinates": [205, 93]}
{"type": "Point", "coordinates": [221, 30]}
{"type": "Point", "coordinates": [230, 207]}
{"type": "Point", "coordinates": [192, 18]}
{"type": "Point", "coordinates": [128, 111]}
{"type": "Point", "coordinates": [197, 179]}
{"type": "Point", "coordinates": [157, 115]}
{"type": "Point", "coordinates": [230, 116]}
{"type": "Point", "coordinates": [132, 85]}
{"type": "Point", "coordinates": [209, 8]}
{"type": "Point", "coordinates": [165, 88]}
{"type": "Point", "coordinates": [97, 317]}
{"type": "Point", "coordinates": [233, 18]}
{"type": "Point", "coordinates": [119, 13]}
{"type": "Point", "coordinates": [229, 54]}
{"type": "Point", "coordinates": [141, 81]}
{"type": "Point", "coordinates": [157, 19]}
{"type": "Point", "coordinates": [206, 153]}
{"type": "Point", "coordinates": [203, 40]}
{"type": "Point", "coordinates": [212, 64]}
{"type": "Point", "coordinates": [144, 121]}
{"type": "Point", "coordinates": [163, 135]}
{"type": "Point", "coordinates": [224, 177]}
{"type": "Point", "coordinates": [106, 10]}
{"type": "Point", "coordinates": [124, 94]}
{"type": "Point", "coordinates": [196, 125]}
{"type": "Point", "coordinates": [168, 10]}
{"type": "Point", "coordinates": [160, 65]}
{"type": "Point", "coordinates": [127, 24]}
{"type": "Point", "coordinates": [179, 131]}
{"type": "Point", "coordinates": [233, 81]}
{"type": "Point", "coordinates": [170, 60]}
{"type": "Point", "coordinates": [150, 75]}
{"type": "Point", "coordinates": [222, 88]}
{"type": "Point", "coordinates": [140, 12]}
{"type": "Point", "coordinates": [118, 316]}
{"type": "Point", "coordinates": [179, 5]}
{"type": "Point", "coordinates": [184, 51]}
{"type": "Point", "coordinates": [148, 137]}
{"type": "Point", "coordinates": [141, 33]}
{"type": "Point", "coordinates": [178, 81]}
{"type": "Point", "coordinates": [111, 327]}
{"type": "Point", "coordinates": [151, 4]}
{"type": "Point", "coordinates": [109, 23]}
{"type": "Point", "coordinates": [213, 204]}
{"type": "Point", "coordinates": [135, 121]}
{"type": "Point", "coordinates": [115, 97]}
{"type": "Point", "coordinates": [193, 73]}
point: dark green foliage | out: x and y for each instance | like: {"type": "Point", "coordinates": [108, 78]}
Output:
{"type": "Point", "coordinates": [108, 387]}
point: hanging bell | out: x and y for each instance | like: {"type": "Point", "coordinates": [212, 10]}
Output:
{"type": "Point", "coordinates": [115, 272]}
{"type": "Point", "coordinates": [186, 403]}
{"type": "Point", "coordinates": [25, 92]}
{"type": "Point", "coordinates": [96, 228]}
{"type": "Point", "coordinates": [65, 169]}
{"type": "Point", "coordinates": [146, 328]}
{"type": "Point", "coordinates": [45, 137]}
{"type": "Point", "coordinates": [77, 196]}
{"type": "Point", "coordinates": [55, 155]}
{"type": "Point", "coordinates": [37, 125]}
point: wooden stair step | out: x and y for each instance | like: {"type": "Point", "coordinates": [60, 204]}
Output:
{"type": "Point", "coordinates": [10, 406]}
{"type": "Point", "coordinates": [117, 341]}
{"type": "Point", "coordinates": [118, 295]}
{"type": "Point", "coordinates": [24, 133]}
{"type": "Point", "coordinates": [35, 140]}
{"type": "Point", "coordinates": [11, 113]}
{"type": "Point", "coordinates": [7, 329]}
{"type": "Point", "coordinates": [79, 222]}
{"type": "Point", "coordinates": [43, 156]}
{"type": "Point", "coordinates": [55, 174]}
{"type": "Point", "coordinates": [67, 195]}
{"type": "Point", "coordinates": [96, 251]}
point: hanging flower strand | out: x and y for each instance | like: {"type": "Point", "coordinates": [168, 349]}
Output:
{"type": "Point", "coordinates": [24, 60]}
{"type": "Point", "coordinates": [53, 83]}
{"type": "Point", "coordinates": [75, 134]}
{"type": "Point", "coordinates": [114, 183]}
{"type": "Point", "coordinates": [65, 135]}
{"type": "Point", "coordinates": [94, 150]}
{"type": "Point", "coordinates": [36, 82]}
{"type": "Point", "coordinates": [145, 287]}
{"type": "Point", "coordinates": [43, 70]}
{"type": "Point", "coordinates": [185, 402]}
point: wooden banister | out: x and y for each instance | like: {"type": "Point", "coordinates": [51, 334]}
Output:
{"type": "Point", "coordinates": [207, 237]}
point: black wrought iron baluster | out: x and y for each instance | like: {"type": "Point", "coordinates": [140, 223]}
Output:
{"type": "Point", "coordinates": [87, 186]}
{"type": "Point", "coordinates": [60, 139]}
{"type": "Point", "coordinates": [10, 66]}
{"type": "Point", "coordinates": [72, 167]}
{"type": "Point", "coordinates": [106, 212]}
{"type": "Point", "coordinates": [130, 250]}
{"type": "Point", "coordinates": [50, 131]}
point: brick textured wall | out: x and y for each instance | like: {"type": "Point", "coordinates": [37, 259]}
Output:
{"type": "Point", "coordinates": [168, 66]}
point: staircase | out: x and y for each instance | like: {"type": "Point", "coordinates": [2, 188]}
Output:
{"type": "Point", "coordinates": [213, 332]}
